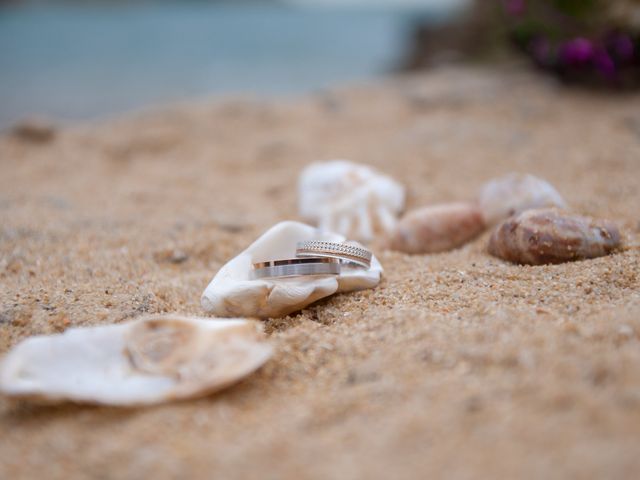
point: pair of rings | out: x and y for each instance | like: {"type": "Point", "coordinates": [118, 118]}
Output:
{"type": "Point", "coordinates": [314, 258]}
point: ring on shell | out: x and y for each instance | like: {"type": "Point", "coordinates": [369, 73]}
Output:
{"type": "Point", "coordinates": [342, 251]}
{"type": "Point", "coordinates": [296, 267]}
{"type": "Point", "coordinates": [233, 293]}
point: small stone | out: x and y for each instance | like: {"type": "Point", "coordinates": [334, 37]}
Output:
{"type": "Point", "coordinates": [174, 255]}
{"type": "Point", "coordinates": [178, 256]}
{"type": "Point", "coordinates": [625, 331]}
{"type": "Point", "coordinates": [35, 130]}
{"type": "Point", "coordinates": [547, 236]}
{"type": "Point", "coordinates": [514, 193]}
{"type": "Point", "coordinates": [437, 228]}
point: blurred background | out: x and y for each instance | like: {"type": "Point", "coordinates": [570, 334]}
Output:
{"type": "Point", "coordinates": [72, 60]}
{"type": "Point", "coordinates": [86, 59]}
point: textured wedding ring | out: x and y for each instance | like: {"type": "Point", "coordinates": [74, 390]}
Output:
{"type": "Point", "coordinates": [342, 251]}
{"type": "Point", "coordinates": [296, 267]}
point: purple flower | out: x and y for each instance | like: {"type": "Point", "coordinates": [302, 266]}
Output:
{"type": "Point", "coordinates": [577, 52]}
{"type": "Point", "coordinates": [515, 7]}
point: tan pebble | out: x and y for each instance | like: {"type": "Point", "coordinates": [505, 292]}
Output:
{"type": "Point", "coordinates": [437, 228]}
{"type": "Point", "coordinates": [171, 255]}
{"type": "Point", "coordinates": [544, 236]}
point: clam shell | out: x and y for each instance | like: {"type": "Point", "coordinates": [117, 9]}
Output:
{"type": "Point", "coordinates": [352, 200]}
{"type": "Point", "coordinates": [543, 236]}
{"type": "Point", "coordinates": [514, 193]}
{"type": "Point", "coordinates": [437, 228]}
{"type": "Point", "coordinates": [151, 360]}
{"type": "Point", "coordinates": [232, 293]}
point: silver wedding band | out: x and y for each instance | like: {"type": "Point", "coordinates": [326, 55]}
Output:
{"type": "Point", "coordinates": [295, 267]}
{"type": "Point", "coordinates": [343, 251]}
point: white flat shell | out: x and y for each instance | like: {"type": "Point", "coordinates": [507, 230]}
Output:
{"type": "Point", "coordinates": [232, 293]}
{"type": "Point", "coordinates": [151, 360]}
{"type": "Point", "coordinates": [514, 193]}
{"type": "Point", "coordinates": [350, 199]}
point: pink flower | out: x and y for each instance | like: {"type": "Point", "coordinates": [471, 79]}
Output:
{"type": "Point", "coordinates": [578, 51]}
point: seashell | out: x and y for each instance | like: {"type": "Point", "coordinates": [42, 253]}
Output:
{"type": "Point", "coordinates": [542, 236]}
{"type": "Point", "coordinates": [514, 193]}
{"type": "Point", "coordinates": [350, 199]}
{"type": "Point", "coordinates": [232, 293]}
{"type": "Point", "coordinates": [151, 360]}
{"type": "Point", "coordinates": [437, 228]}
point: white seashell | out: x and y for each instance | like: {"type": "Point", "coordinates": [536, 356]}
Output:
{"type": "Point", "coordinates": [351, 199]}
{"type": "Point", "coordinates": [151, 360]}
{"type": "Point", "coordinates": [514, 193]}
{"type": "Point", "coordinates": [232, 293]}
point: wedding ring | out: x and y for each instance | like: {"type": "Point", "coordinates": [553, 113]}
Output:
{"type": "Point", "coordinates": [295, 267]}
{"type": "Point", "coordinates": [342, 251]}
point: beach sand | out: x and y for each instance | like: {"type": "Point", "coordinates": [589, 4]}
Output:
{"type": "Point", "coordinates": [458, 365]}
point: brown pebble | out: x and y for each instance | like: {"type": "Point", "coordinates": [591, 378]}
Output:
{"type": "Point", "coordinates": [437, 228]}
{"type": "Point", "coordinates": [171, 255]}
{"type": "Point", "coordinates": [544, 236]}
{"type": "Point", "coordinates": [34, 130]}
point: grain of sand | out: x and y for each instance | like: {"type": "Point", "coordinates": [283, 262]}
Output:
{"type": "Point", "coordinates": [458, 365]}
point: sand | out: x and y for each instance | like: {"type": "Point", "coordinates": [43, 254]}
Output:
{"type": "Point", "coordinates": [457, 366]}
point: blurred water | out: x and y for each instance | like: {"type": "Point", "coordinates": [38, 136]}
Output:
{"type": "Point", "coordinates": [76, 61]}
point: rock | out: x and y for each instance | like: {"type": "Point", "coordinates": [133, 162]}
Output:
{"type": "Point", "coordinates": [352, 200]}
{"type": "Point", "coordinates": [232, 291]}
{"type": "Point", "coordinates": [514, 193]}
{"type": "Point", "coordinates": [35, 130]}
{"type": "Point", "coordinates": [171, 255]}
{"type": "Point", "coordinates": [437, 228]}
{"type": "Point", "coordinates": [152, 360]}
{"type": "Point", "coordinates": [543, 236]}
